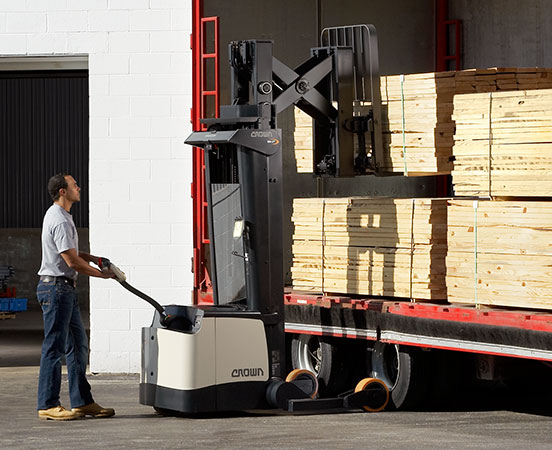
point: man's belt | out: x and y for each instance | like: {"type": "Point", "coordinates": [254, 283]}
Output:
{"type": "Point", "coordinates": [49, 279]}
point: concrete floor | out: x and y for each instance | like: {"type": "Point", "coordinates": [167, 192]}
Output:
{"type": "Point", "coordinates": [488, 422]}
{"type": "Point", "coordinates": [140, 427]}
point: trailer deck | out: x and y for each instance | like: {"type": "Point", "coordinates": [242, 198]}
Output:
{"type": "Point", "coordinates": [494, 331]}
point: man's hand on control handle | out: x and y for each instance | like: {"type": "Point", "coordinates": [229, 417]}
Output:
{"type": "Point", "coordinates": [107, 273]}
{"type": "Point", "coordinates": [107, 267]}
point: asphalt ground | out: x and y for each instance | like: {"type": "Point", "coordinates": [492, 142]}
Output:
{"type": "Point", "coordinates": [488, 420]}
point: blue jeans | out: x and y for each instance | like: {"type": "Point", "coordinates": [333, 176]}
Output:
{"type": "Point", "coordinates": [64, 337]}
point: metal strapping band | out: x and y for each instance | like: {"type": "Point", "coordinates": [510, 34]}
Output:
{"type": "Point", "coordinates": [490, 139]}
{"type": "Point", "coordinates": [475, 280]}
{"type": "Point", "coordinates": [403, 127]}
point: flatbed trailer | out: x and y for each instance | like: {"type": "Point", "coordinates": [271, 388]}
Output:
{"type": "Point", "coordinates": [328, 334]}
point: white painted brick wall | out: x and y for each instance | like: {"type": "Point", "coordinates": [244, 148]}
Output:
{"type": "Point", "coordinates": [150, 20]}
{"type": "Point", "coordinates": [67, 21]}
{"type": "Point", "coordinates": [47, 43]}
{"type": "Point", "coordinates": [26, 22]}
{"type": "Point", "coordinates": [140, 171]}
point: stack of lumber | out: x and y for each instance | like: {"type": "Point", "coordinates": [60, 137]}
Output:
{"type": "Point", "coordinates": [302, 137]}
{"type": "Point", "coordinates": [503, 144]}
{"type": "Point", "coordinates": [370, 246]}
{"type": "Point", "coordinates": [500, 253]}
{"type": "Point", "coordinates": [502, 79]}
{"type": "Point", "coordinates": [417, 111]}
{"type": "Point", "coordinates": [416, 123]}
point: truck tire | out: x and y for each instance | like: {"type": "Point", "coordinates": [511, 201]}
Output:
{"type": "Point", "coordinates": [402, 370]}
{"type": "Point", "coordinates": [322, 357]}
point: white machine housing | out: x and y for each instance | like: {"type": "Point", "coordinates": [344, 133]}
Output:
{"type": "Point", "coordinates": [208, 369]}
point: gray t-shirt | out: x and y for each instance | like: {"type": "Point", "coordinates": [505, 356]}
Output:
{"type": "Point", "coordinates": [59, 234]}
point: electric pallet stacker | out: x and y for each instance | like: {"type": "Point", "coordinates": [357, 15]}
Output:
{"type": "Point", "coordinates": [231, 355]}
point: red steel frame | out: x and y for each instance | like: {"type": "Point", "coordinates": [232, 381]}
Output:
{"type": "Point", "coordinates": [442, 59]}
{"type": "Point", "coordinates": [442, 38]}
{"type": "Point", "coordinates": [202, 282]}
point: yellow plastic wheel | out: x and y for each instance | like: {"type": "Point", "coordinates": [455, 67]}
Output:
{"type": "Point", "coordinates": [304, 375]}
{"type": "Point", "coordinates": [373, 384]}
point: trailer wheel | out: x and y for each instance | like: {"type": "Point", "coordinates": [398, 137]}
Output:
{"type": "Point", "coordinates": [401, 369]}
{"type": "Point", "coordinates": [321, 357]}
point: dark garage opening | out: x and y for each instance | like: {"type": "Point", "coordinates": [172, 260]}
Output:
{"type": "Point", "coordinates": [44, 129]}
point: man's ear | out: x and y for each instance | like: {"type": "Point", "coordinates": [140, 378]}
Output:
{"type": "Point", "coordinates": [62, 191]}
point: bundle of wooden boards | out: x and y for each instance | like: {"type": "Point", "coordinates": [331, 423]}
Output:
{"type": "Point", "coordinates": [500, 253]}
{"type": "Point", "coordinates": [417, 119]}
{"type": "Point", "coordinates": [482, 252]}
{"type": "Point", "coordinates": [370, 246]}
{"type": "Point", "coordinates": [302, 137]}
{"type": "Point", "coordinates": [503, 144]}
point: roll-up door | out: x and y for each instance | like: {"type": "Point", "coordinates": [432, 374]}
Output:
{"type": "Point", "coordinates": [43, 131]}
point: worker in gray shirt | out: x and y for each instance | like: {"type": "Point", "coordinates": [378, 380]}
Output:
{"type": "Point", "coordinates": [64, 333]}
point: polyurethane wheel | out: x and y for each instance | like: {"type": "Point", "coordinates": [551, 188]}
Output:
{"type": "Point", "coordinates": [305, 380]}
{"type": "Point", "coordinates": [377, 385]}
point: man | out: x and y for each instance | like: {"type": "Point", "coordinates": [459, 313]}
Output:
{"type": "Point", "coordinates": [64, 333]}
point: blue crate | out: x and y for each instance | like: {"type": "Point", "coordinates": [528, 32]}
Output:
{"type": "Point", "coordinates": [18, 304]}
{"type": "Point", "coordinates": [13, 304]}
{"type": "Point", "coordinates": [5, 304]}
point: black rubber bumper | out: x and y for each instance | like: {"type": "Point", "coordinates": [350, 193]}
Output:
{"type": "Point", "coordinates": [227, 397]}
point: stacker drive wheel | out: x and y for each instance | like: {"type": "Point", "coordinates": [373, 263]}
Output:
{"type": "Point", "coordinates": [304, 380]}
{"type": "Point", "coordinates": [402, 369]}
{"type": "Point", "coordinates": [380, 397]}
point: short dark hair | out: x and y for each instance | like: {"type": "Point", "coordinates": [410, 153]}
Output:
{"type": "Point", "coordinates": [56, 183]}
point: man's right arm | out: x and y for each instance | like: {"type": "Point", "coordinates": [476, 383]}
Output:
{"type": "Point", "coordinates": [74, 261]}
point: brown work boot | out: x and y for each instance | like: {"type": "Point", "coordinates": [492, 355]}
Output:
{"type": "Point", "coordinates": [94, 410]}
{"type": "Point", "coordinates": [58, 413]}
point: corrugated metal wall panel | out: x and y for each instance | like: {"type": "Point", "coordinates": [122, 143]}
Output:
{"type": "Point", "coordinates": [43, 131]}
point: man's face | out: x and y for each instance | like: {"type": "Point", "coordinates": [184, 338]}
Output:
{"type": "Point", "coordinates": [72, 193]}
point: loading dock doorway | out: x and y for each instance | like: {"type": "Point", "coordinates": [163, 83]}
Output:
{"type": "Point", "coordinates": [44, 129]}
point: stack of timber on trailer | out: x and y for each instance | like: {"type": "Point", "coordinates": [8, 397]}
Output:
{"type": "Point", "coordinates": [417, 118]}
{"type": "Point", "coordinates": [503, 144]}
{"type": "Point", "coordinates": [482, 252]}
{"type": "Point", "coordinates": [370, 246]}
{"type": "Point", "coordinates": [500, 253]}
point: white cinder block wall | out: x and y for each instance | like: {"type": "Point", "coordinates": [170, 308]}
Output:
{"type": "Point", "coordinates": [139, 64]}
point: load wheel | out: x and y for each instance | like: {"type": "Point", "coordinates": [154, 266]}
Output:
{"type": "Point", "coordinates": [402, 370]}
{"type": "Point", "coordinates": [323, 358]}
{"type": "Point", "coordinates": [380, 390]}
{"type": "Point", "coordinates": [305, 380]}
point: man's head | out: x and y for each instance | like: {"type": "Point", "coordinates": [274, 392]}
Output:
{"type": "Point", "coordinates": [64, 186]}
